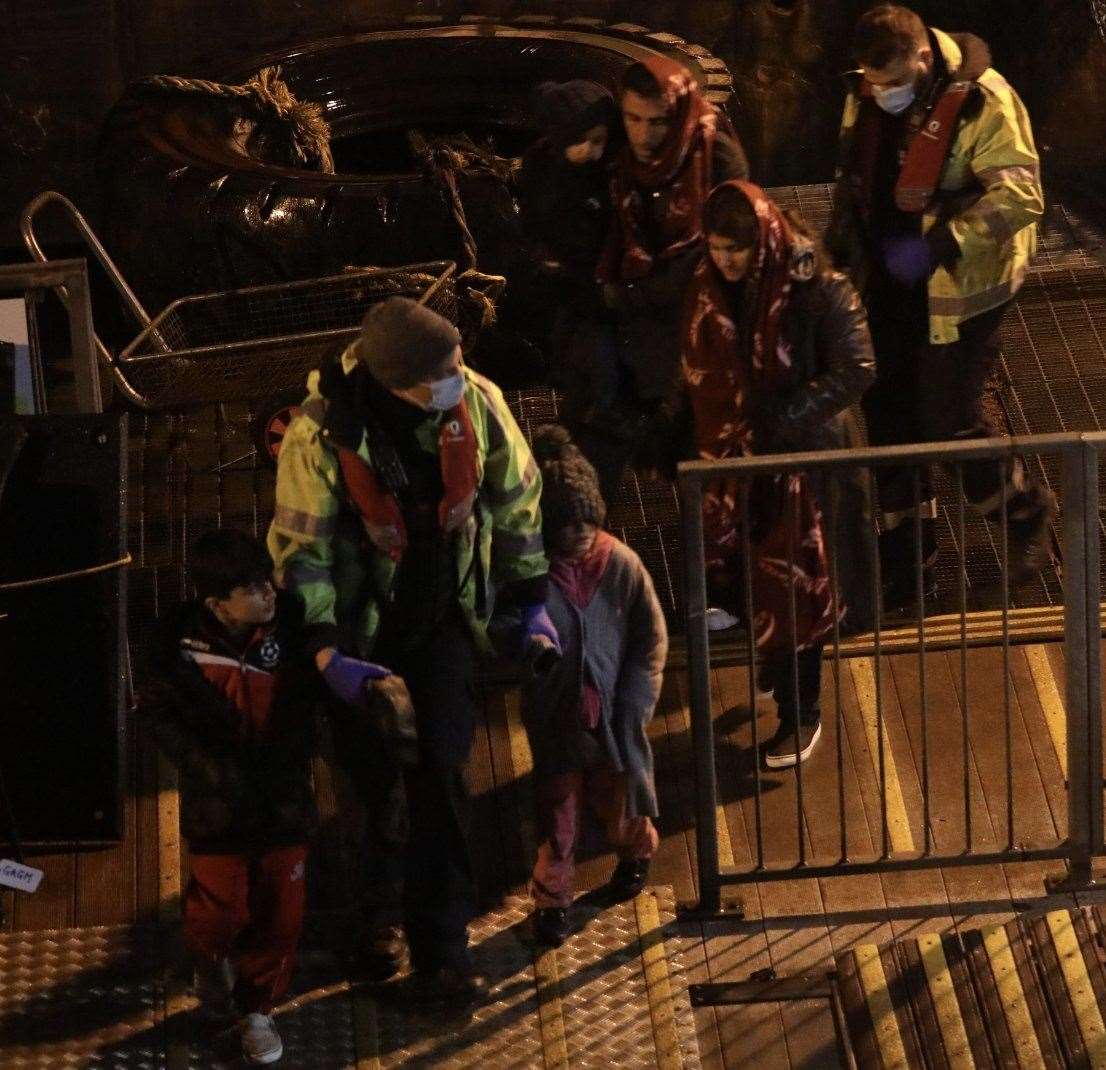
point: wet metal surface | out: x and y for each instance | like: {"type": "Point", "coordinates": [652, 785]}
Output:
{"type": "Point", "coordinates": [82, 997]}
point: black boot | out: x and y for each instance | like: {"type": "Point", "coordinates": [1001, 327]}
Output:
{"type": "Point", "coordinates": [627, 880]}
{"type": "Point", "coordinates": [378, 955]}
{"type": "Point", "coordinates": [898, 564]}
{"type": "Point", "coordinates": [551, 925]}
{"type": "Point", "coordinates": [457, 982]}
{"type": "Point", "coordinates": [1029, 538]}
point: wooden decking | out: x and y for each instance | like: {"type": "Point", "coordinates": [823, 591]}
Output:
{"type": "Point", "coordinates": [791, 927]}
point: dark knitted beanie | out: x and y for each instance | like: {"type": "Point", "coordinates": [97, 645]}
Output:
{"type": "Point", "coordinates": [566, 111]}
{"type": "Point", "coordinates": [404, 343]}
{"type": "Point", "coordinates": [570, 487]}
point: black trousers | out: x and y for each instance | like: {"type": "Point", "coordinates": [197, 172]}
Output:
{"type": "Point", "coordinates": [439, 894]}
{"type": "Point", "coordinates": [930, 393]}
{"type": "Point", "coordinates": [780, 673]}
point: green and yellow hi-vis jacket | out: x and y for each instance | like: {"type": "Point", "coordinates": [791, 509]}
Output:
{"type": "Point", "coordinates": [318, 544]}
{"type": "Point", "coordinates": [989, 197]}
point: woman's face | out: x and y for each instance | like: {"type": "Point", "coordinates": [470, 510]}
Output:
{"type": "Point", "coordinates": [590, 149]}
{"type": "Point", "coordinates": [731, 258]}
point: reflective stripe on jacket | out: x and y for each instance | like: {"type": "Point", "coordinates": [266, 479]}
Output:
{"type": "Point", "coordinates": [989, 196]}
{"type": "Point", "coordinates": [317, 542]}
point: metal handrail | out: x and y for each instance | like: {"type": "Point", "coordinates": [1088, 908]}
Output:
{"type": "Point", "coordinates": [30, 239]}
{"type": "Point", "coordinates": [130, 300]}
{"type": "Point", "coordinates": [1082, 631]}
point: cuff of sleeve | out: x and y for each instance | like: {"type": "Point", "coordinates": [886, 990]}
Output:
{"type": "Point", "coordinates": [531, 592]}
{"type": "Point", "coordinates": [944, 250]}
{"type": "Point", "coordinates": [318, 636]}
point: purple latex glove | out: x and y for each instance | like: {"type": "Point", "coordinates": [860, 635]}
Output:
{"type": "Point", "coordinates": [535, 622]}
{"type": "Point", "coordinates": [347, 677]}
{"type": "Point", "coordinates": [907, 259]}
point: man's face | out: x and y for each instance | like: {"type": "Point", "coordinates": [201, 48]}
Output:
{"type": "Point", "coordinates": [421, 393]}
{"type": "Point", "coordinates": [589, 149]}
{"type": "Point", "coordinates": [909, 70]}
{"type": "Point", "coordinates": [247, 606]}
{"type": "Point", "coordinates": [575, 541]}
{"type": "Point", "coordinates": [646, 120]}
{"type": "Point", "coordinates": [731, 259]}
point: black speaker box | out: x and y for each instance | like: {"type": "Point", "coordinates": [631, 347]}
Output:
{"type": "Point", "coordinates": [62, 643]}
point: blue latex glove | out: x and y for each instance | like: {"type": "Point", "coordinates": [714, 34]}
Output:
{"type": "Point", "coordinates": [347, 677]}
{"type": "Point", "coordinates": [536, 622]}
{"type": "Point", "coordinates": [907, 259]}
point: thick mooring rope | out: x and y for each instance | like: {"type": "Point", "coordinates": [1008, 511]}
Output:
{"type": "Point", "coordinates": [269, 99]}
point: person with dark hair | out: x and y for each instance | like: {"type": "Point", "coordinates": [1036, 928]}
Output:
{"type": "Point", "coordinates": [586, 714]}
{"type": "Point", "coordinates": [938, 193]}
{"type": "Point", "coordinates": [406, 498]}
{"type": "Point", "coordinates": [229, 692]}
{"type": "Point", "coordinates": [678, 147]}
{"type": "Point", "coordinates": [775, 351]}
{"type": "Point", "coordinates": [564, 200]}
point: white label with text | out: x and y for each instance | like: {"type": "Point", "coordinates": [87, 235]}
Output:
{"type": "Point", "coordinates": [18, 876]}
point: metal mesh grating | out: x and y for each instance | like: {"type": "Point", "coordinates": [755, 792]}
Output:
{"type": "Point", "coordinates": [256, 342]}
{"type": "Point", "coordinates": [96, 997]}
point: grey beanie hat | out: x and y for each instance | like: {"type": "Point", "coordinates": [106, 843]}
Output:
{"type": "Point", "coordinates": [404, 343]}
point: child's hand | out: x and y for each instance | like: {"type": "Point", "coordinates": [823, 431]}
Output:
{"type": "Point", "coordinates": [347, 677]}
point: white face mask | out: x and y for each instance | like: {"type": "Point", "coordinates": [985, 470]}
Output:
{"type": "Point", "coordinates": [446, 394]}
{"type": "Point", "coordinates": [894, 99]}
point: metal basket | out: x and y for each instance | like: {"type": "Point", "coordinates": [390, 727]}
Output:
{"type": "Point", "coordinates": [256, 342]}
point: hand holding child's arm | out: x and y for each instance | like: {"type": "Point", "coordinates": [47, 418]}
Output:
{"type": "Point", "coordinates": [347, 677]}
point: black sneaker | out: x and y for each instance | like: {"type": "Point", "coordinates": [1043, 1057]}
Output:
{"type": "Point", "coordinates": [1029, 542]}
{"type": "Point", "coordinates": [627, 880]}
{"type": "Point", "coordinates": [551, 925]}
{"type": "Point", "coordinates": [784, 751]}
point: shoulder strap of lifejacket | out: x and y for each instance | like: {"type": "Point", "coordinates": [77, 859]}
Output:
{"type": "Point", "coordinates": [929, 148]}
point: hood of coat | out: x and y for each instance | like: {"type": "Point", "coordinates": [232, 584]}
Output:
{"type": "Point", "coordinates": [965, 55]}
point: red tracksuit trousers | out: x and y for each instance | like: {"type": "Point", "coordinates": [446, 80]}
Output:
{"type": "Point", "coordinates": [562, 802]}
{"type": "Point", "coordinates": [248, 908]}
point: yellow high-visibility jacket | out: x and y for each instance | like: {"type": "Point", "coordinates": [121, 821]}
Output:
{"type": "Point", "coordinates": [318, 544]}
{"type": "Point", "coordinates": [989, 196]}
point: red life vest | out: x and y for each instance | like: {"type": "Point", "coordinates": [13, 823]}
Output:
{"type": "Point", "coordinates": [379, 510]}
{"type": "Point", "coordinates": [931, 137]}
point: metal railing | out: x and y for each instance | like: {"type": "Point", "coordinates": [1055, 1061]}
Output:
{"type": "Point", "coordinates": [1079, 538]}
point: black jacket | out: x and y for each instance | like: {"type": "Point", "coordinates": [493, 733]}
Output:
{"type": "Point", "coordinates": [239, 726]}
{"type": "Point", "coordinates": [565, 209]}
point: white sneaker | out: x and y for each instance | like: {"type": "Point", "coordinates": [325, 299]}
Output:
{"type": "Point", "coordinates": [261, 1042]}
{"type": "Point", "coordinates": [718, 620]}
{"type": "Point", "coordinates": [785, 750]}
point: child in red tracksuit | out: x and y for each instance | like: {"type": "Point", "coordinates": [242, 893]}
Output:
{"type": "Point", "coordinates": [229, 694]}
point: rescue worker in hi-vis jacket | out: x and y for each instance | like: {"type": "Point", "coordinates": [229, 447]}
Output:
{"type": "Point", "coordinates": [938, 193]}
{"type": "Point", "coordinates": [406, 499]}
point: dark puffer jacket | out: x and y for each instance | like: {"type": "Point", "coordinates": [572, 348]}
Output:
{"type": "Point", "coordinates": [238, 724]}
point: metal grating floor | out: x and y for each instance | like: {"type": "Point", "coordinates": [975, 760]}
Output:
{"type": "Point", "coordinates": [97, 997]}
